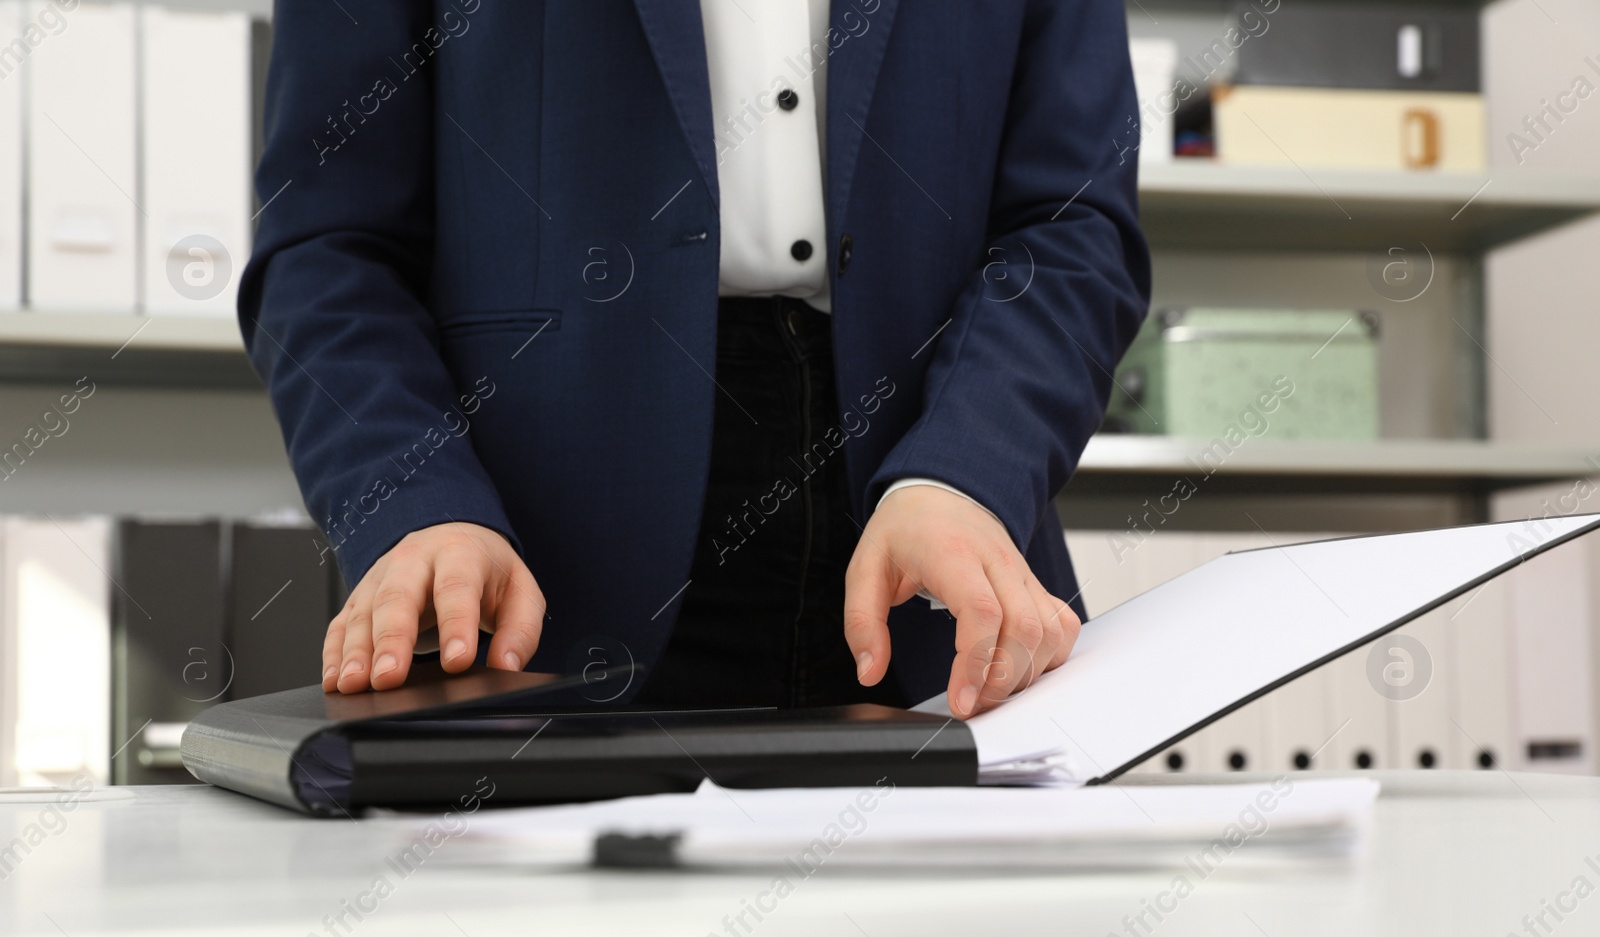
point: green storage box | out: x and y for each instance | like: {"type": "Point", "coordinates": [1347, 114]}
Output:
{"type": "Point", "coordinates": [1279, 373]}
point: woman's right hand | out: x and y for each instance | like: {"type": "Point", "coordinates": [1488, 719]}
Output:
{"type": "Point", "coordinates": [457, 578]}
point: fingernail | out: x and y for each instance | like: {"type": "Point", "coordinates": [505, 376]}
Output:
{"type": "Point", "coordinates": [384, 664]}
{"type": "Point", "coordinates": [863, 664]}
{"type": "Point", "coordinates": [329, 674]}
{"type": "Point", "coordinates": [455, 648]}
{"type": "Point", "coordinates": [352, 666]}
{"type": "Point", "coordinates": [511, 661]}
{"type": "Point", "coordinates": [966, 699]}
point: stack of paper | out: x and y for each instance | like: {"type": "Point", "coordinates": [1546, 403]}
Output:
{"type": "Point", "coordinates": [1158, 667]}
{"type": "Point", "coordinates": [1194, 827]}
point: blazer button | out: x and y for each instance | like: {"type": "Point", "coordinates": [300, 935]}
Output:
{"type": "Point", "coordinates": [845, 245]}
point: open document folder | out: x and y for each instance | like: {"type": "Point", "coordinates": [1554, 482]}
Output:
{"type": "Point", "coordinates": [1182, 655]}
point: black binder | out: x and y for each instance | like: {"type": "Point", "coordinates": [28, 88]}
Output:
{"type": "Point", "coordinates": [283, 591]}
{"type": "Point", "coordinates": [428, 743]}
{"type": "Point", "coordinates": [170, 660]}
{"type": "Point", "coordinates": [1355, 45]}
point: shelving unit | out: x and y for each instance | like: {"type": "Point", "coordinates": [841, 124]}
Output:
{"type": "Point", "coordinates": [1377, 486]}
{"type": "Point", "coordinates": [155, 351]}
{"type": "Point", "coordinates": [1187, 205]}
{"type": "Point", "coordinates": [1210, 223]}
{"type": "Point", "coordinates": [1448, 467]}
{"type": "Point", "coordinates": [1196, 204]}
{"type": "Point", "coordinates": [110, 331]}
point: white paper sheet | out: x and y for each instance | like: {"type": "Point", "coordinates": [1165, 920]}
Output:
{"type": "Point", "coordinates": [886, 825]}
{"type": "Point", "coordinates": [1163, 663]}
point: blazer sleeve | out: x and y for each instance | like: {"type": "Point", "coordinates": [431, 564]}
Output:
{"type": "Point", "coordinates": [1019, 382]}
{"type": "Point", "coordinates": [333, 305]}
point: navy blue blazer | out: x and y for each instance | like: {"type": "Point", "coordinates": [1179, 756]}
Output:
{"type": "Point", "coordinates": [484, 285]}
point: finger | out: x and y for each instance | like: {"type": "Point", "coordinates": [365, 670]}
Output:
{"type": "Point", "coordinates": [333, 650]}
{"type": "Point", "coordinates": [458, 582]}
{"type": "Point", "coordinates": [1021, 632]}
{"type": "Point", "coordinates": [355, 649]}
{"type": "Point", "coordinates": [333, 641]}
{"type": "Point", "coordinates": [1054, 631]}
{"type": "Point", "coordinates": [1070, 628]}
{"type": "Point", "coordinates": [959, 581]}
{"type": "Point", "coordinates": [870, 586]}
{"type": "Point", "coordinates": [518, 620]}
{"type": "Point", "coordinates": [397, 603]}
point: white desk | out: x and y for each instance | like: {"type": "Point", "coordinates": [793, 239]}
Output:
{"type": "Point", "coordinates": [1451, 853]}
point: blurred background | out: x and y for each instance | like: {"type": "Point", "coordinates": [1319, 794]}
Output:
{"type": "Point", "coordinates": [1377, 256]}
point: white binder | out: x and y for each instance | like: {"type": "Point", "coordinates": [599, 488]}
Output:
{"type": "Point", "coordinates": [1104, 581]}
{"type": "Point", "coordinates": [1237, 741]}
{"type": "Point", "coordinates": [8, 672]}
{"type": "Point", "coordinates": [1481, 710]}
{"type": "Point", "coordinates": [196, 76]}
{"type": "Point", "coordinates": [1155, 65]}
{"type": "Point", "coordinates": [1360, 717]}
{"type": "Point", "coordinates": [11, 142]}
{"type": "Point", "coordinates": [1418, 682]}
{"type": "Point", "coordinates": [1164, 556]}
{"type": "Point", "coordinates": [1298, 729]}
{"type": "Point", "coordinates": [1551, 644]}
{"type": "Point", "coordinates": [1550, 615]}
{"type": "Point", "coordinates": [55, 601]}
{"type": "Point", "coordinates": [83, 184]}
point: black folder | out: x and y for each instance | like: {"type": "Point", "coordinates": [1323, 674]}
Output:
{"type": "Point", "coordinates": [283, 591]}
{"type": "Point", "coordinates": [1356, 45]}
{"type": "Point", "coordinates": [170, 658]}
{"type": "Point", "coordinates": [539, 740]}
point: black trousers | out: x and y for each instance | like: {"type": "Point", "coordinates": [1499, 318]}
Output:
{"type": "Point", "coordinates": [762, 620]}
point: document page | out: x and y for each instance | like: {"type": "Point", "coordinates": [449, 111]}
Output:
{"type": "Point", "coordinates": [1168, 661]}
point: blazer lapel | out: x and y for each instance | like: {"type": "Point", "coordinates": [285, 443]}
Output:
{"type": "Point", "coordinates": [852, 77]}
{"type": "Point", "coordinates": [677, 40]}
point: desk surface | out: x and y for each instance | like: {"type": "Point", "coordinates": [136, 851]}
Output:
{"type": "Point", "coordinates": [1450, 853]}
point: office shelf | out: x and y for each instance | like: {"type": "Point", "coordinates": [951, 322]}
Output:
{"type": "Point", "coordinates": [124, 347]}
{"type": "Point", "coordinates": [1188, 204]}
{"type": "Point", "coordinates": [263, 8]}
{"type": "Point", "coordinates": [1152, 464]}
{"type": "Point", "coordinates": [1144, 8]}
{"type": "Point", "coordinates": [260, 9]}
{"type": "Point", "coordinates": [1199, 204]}
{"type": "Point", "coordinates": [110, 330]}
